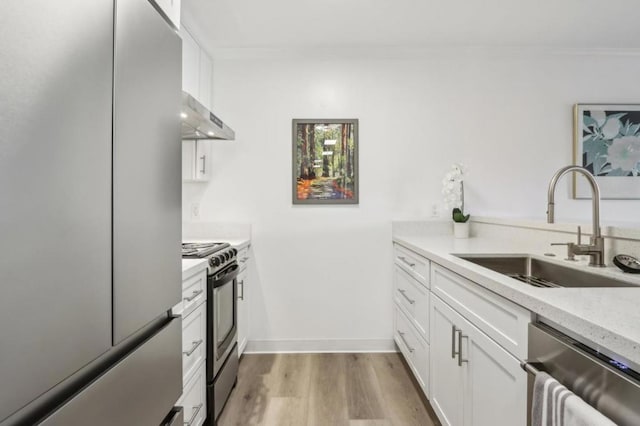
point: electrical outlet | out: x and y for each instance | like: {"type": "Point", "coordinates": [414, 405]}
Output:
{"type": "Point", "coordinates": [195, 211]}
{"type": "Point", "coordinates": [434, 210]}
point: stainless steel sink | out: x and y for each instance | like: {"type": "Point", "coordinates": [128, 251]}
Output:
{"type": "Point", "coordinates": [540, 273]}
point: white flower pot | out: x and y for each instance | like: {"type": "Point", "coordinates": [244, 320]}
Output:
{"type": "Point", "coordinates": [461, 230]}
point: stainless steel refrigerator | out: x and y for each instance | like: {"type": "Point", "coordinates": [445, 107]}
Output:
{"type": "Point", "coordinates": [90, 193]}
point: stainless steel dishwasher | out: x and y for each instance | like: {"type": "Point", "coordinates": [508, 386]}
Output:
{"type": "Point", "coordinates": [604, 383]}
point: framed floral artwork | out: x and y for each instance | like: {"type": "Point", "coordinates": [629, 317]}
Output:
{"type": "Point", "coordinates": [325, 161]}
{"type": "Point", "coordinates": [607, 143]}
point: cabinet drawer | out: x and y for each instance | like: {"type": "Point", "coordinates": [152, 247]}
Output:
{"type": "Point", "coordinates": [413, 347]}
{"type": "Point", "coordinates": [503, 321]}
{"type": "Point", "coordinates": [194, 398]}
{"type": "Point", "coordinates": [413, 297]}
{"type": "Point", "coordinates": [413, 263]}
{"type": "Point", "coordinates": [194, 341]}
{"type": "Point", "coordinates": [194, 292]}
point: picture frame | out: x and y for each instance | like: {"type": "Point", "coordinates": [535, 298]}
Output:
{"type": "Point", "coordinates": [325, 161]}
{"type": "Point", "coordinates": [606, 142]}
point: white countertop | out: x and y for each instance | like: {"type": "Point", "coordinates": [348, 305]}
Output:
{"type": "Point", "coordinates": [192, 266]}
{"type": "Point", "coordinates": [235, 242]}
{"type": "Point", "coordinates": [608, 318]}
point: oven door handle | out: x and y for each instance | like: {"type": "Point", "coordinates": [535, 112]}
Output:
{"type": "Point", "coordinates": [230, 275]}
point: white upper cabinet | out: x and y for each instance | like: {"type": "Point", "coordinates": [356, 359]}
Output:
{"type": "Point", "coordinates": [171, 8]}
{"type": "Point", "coordinates": [206, 75]}
{"type": "Point", "coordinates": [190, 63]}
{"type": "Point", "coordinates": [197, 69]}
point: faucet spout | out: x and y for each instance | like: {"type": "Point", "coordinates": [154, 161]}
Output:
{"type": "Point", "coordinates": [596, 248]}
{"type": "Point", "coordinates": [595, 191]}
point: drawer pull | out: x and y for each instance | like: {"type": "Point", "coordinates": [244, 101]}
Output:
{"type": "Point", "coordinates": [193, 348]}
{"type": "Point", "coordinates": [193, 295]}
{"type": "Point", "coordinates": [405, 341]}
{"type": "Point", "coordinates": [241, 295]}
{"type": "Point", "coordinates": [404, 293]}
{"type": "Point", "coordinates": [196, 410]}
{"type": "Point", "coordinates": [453, 341]}
{"type": "Point", "coordinates": [460, 337]}
{"type": "Point", "coordinates": [406, 262]}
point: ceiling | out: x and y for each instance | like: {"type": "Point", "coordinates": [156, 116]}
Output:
{"type": "Point", "coordinates": [414, 23]}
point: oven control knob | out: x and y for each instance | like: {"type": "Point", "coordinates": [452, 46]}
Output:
{"type": "Point", "coordinates": [227, 256]}
{"type": "Point", "coordinates": [215, 261]}
{"type": "Point", "coordinates": [222, 259]}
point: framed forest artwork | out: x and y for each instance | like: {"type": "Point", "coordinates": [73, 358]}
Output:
{"type": "Point", "coordinates": [325, 161]}
{"type": "Point", "coordinates": [607, 143]}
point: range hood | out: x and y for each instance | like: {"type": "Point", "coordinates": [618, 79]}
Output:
{"type": "Point", "coordinates": [200, 123]}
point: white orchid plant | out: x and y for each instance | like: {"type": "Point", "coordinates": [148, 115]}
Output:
{"type": "Point", "coordinates": [453, 192]}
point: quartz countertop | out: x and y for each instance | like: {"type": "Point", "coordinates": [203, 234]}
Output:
{"type": "Point", "coordinates": [192, 266]}
{"type": "Point", "coordinates": [235, 242]}
{"type": "Point", "coordinates": [608, 319]}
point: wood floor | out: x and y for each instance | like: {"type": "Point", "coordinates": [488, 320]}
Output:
{"type": "Point", "coordinates": [326, 390]}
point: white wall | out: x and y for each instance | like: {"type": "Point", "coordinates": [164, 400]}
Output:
{"type": "Point", "coordinates": [325, 272]}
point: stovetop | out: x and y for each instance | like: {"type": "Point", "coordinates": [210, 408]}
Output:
{"type": "Point", "coordinates": [201, 250]}
{"type": "Point", "coordinates": [218, 255]}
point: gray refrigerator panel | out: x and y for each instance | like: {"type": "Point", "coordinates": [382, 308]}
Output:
{"type": "Point", "coordinates": [146, 169]}
{"type": "Point", "coordinates": [140, 390]}
{"type": "Point", "coordinates": [55, 192]}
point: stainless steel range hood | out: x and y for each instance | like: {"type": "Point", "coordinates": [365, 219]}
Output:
{"type": "Point", "coordinates": [200, 123]}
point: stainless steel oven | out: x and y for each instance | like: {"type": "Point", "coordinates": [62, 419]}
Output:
{"type": "Point", "coordinates": [222, 320]}
{"type": "Point", "coordinates": [222, 324]}
{"type": "Point", "coordinates": [222, 333]}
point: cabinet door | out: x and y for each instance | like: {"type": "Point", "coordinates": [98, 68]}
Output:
{"type": "Point", "coordinates": [494, 383]}
{"type": "Point", "coordinates": [190, 63]}
{"type": "Point", "coordinates": [243, 312]}
{"type": "Point", "coordinates": [447, 377]}
{"type": "Point", "coordinates": [146, 168]}
{"type": "Point", "coordinates": [55, 192]}
{"type": "Point", "coordinates": [203, 160]}
{"type": "Point", "coordinates": [188, 160]}
{"type": "Point", "coordinates": [206, 74]}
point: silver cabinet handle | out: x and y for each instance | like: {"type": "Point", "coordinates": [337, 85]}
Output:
{"type": "Point", "coordinates": [196, 410]}
{"type": "Point", "coordinates": [454, 330]}
{"type": "Point", "coordinates": [404, 293]}
{"type": "Point", "coordinates": [193, 295]}
{"type": "Point", "coordinates": [460, 337]}
{"type": "Point", "coordinates": [244, 259]}
{"type": "Point", "coordinates": [241, 295]}
{"type": "Point", "coordinates": [405, 341]}
{"type": "Point", "coordinates": [193, 348]}
{"type": "Point", "coordinates": [204, 160]}
{"type": "Point", "coordinates": [406, 262]}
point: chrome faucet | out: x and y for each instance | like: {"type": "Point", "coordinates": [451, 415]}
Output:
{"type": "Point", "coordinates": [595, 248]}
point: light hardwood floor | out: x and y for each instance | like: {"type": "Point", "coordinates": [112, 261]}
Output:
{"type": "Point", "coordinates": [326, 390]}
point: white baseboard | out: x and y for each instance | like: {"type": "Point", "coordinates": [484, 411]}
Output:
{"type": "Point", "coordinates": [321, 345]}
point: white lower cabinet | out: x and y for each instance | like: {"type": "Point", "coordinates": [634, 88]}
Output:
{"type": "Point", "coordinates": [447, 379]}
{"type": "Point", "coordinates": [194, 348]}
{"type": "Point", "coordinates": [244, 256]}
{"type": "Point", "coordinates": [194, 399]}
{"type": "Point", "coordinates": [193, 309]}
{"type": "Point", "coordinates": [474, 381]}
{"type": "Point", "coordinates": [243, 312]}
{"type": "Point", "coordinates": [413, 347]}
